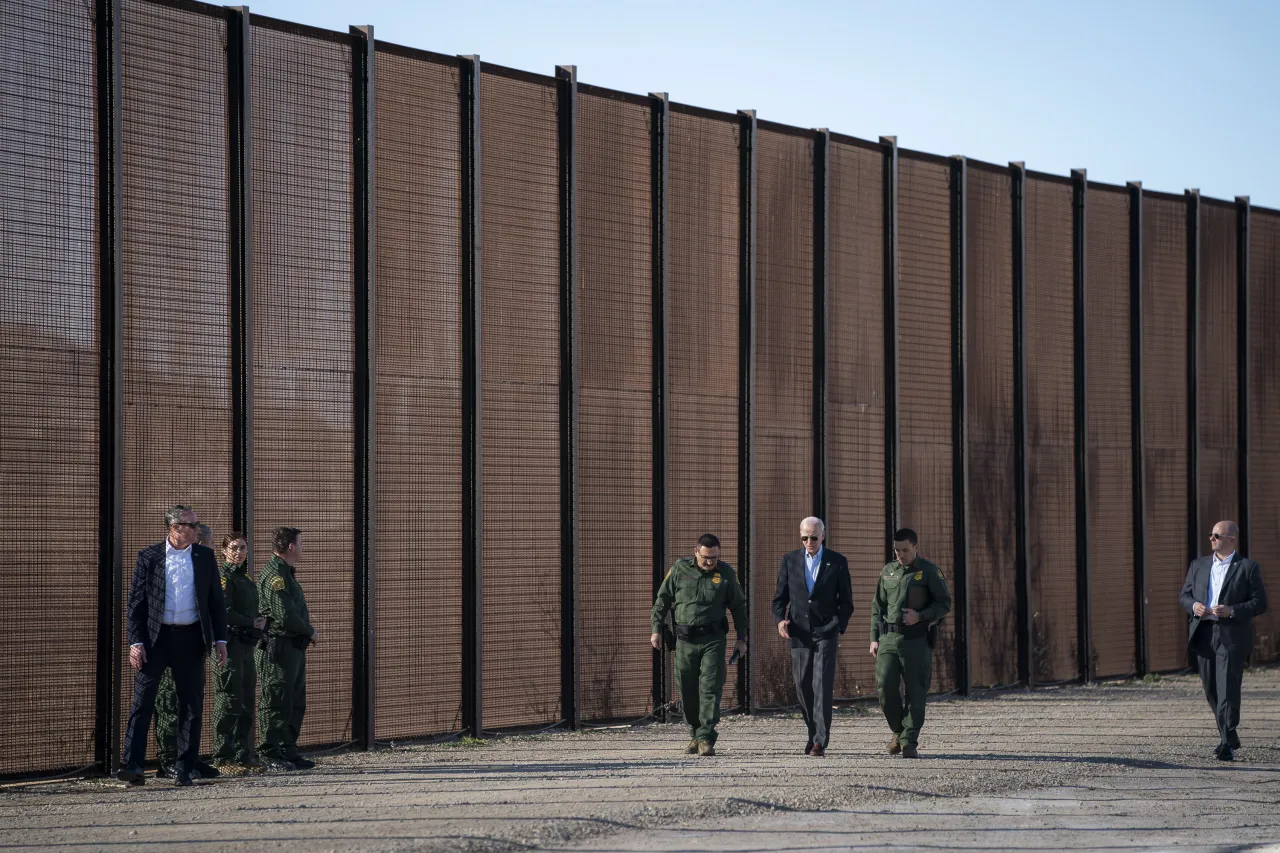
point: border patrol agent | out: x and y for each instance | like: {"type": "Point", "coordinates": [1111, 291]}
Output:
{"type": "Point", "coordinates": [911, 596]}
{"type": "Point", "coordinates": [699, 589]}
{"type": "Point", "coordinates": [282, 664]}
{"type": "Point", "coordinates": [236, 683]}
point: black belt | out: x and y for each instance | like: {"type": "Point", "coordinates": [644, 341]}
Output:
{"type": "Point", "coordinates": [694, 632]}
{"type": "Point", "coordinates": [890, 628]}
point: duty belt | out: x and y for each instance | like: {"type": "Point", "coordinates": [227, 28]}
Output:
{"type": "Point", "coordinates": [890, 628]}
{"type": "Point", "coordinates": [697, 632]}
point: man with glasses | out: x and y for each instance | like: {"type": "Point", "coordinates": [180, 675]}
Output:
{"type": "Point", "coordinates": [1223, 593]}
{"type": "Point", "coordinates": [176, 615]}
{"type": "Point", "coordinates": [700, 589]}
{"type": "Point", "coordinates": [911, 596]}
{"type": "Point", "coordinates": [812, 604]}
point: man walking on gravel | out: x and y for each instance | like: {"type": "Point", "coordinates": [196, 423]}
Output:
{"type": "Point", "coordinates": [700, 589]}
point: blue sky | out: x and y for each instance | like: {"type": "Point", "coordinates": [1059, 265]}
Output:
{"type": "Point", "coordinates": [1175, 94]}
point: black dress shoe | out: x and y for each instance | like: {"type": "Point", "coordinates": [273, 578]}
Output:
{"type": "Point", "coordinates": [164, 770]}
{"type": "Point", "coordinates": [1233, 740]}
{"type": "Point", "coordinates": [132, 774]}
{"type": "Point", "coordinates": [808, 747]}
{"type": "Point", "coordinates": [279, 765]}
{"type": "Point", "coordinates": [182, 778]}
{"type": "Point", "coordinates": [300, 763]}
{"type": "Point", "coordinates": [1224, 753]}
{"type": "Point", "coordinates": [207, 771]}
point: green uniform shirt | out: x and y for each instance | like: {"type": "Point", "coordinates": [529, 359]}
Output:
{"type": "Point", "coordinates": [920, 587]}
{"type": "Point", "coordinates": [699, 597]}
{"type": "Point", "coordinates": [280, 597]}
{"type": "Point", "coordinates": [241, 595]}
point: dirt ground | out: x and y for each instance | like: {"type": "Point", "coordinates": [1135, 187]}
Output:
{"type": "Point", "coordinates": [1121, 766]}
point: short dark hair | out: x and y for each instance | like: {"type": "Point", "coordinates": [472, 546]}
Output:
{"type": "Point", "coordinates": [906, 534]}
{"type": "Point", "coordinates": [708, 540]}
{"type": "Point", "coordinates": [232, 537]}
{"type": "Point", "coordinates": [283, 537]}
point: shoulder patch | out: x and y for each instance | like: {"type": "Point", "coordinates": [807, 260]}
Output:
{"type": "Point", "coordinates": [277, 583]}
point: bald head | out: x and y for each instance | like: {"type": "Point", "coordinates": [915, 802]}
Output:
{"type": "Point", "coordinates": [1224, 536]}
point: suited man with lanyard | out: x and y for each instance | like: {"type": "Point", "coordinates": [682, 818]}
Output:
{"type": "Point", "coordinates": [1223, 594]}
{"type": "Point", "coordinates": [176, 613]}
{"type": "Point", "coordinates": [812, 605]}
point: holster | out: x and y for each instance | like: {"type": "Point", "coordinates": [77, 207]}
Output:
{"type": "Point", "coordinates": [931, 636]}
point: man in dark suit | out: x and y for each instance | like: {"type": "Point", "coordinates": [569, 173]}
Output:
{"type": "Point", "coordinates": [176, 614]}
{"type": "Point", "coordinates": [1223, 594]}
{"type": "Point", "coordinates": [812, 605]}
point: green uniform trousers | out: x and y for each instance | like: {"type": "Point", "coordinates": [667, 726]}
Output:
{"type": "Point", "coordinates": [700, 673]}
{"type": "Point", "coordinates": [233, 689]}
{"type": "Point", "coordinates": [167, 719]}
{"type": "Point", "coordinates": [904, 660]}
{"type": "Point", "coordinates": [283, 671]}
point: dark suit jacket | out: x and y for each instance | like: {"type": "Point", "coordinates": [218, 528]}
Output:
{"type": "Point", "coordinates": [146, 596]}
{"type": "Point", "coordinates": [1242, 591]}
{"type": "Point", "coordinates": [824, 613]}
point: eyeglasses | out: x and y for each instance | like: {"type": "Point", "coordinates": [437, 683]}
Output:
{"type": "Point", "coordinates": [1220, 536]}
{"type": "Point", "coordinates": [810, 538]}
{"type": "Point", "coordinates": [190, 525]}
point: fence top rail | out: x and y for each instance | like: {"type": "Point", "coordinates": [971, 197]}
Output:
{"type": "Point", "coordinates": [984, 166]}
{"type": "Point", "coordinates": [1047, 177]}
{"type": "Point", "coordinates": [925, 156]}
{"type": "Point", "coordinates": [1218, 202]}
{"type": "Point", "coordinates": [1158, 195]}
{"type": "Point", "coordinates": [304, 30]}
{"type": "Point", "coordinates": [193, 6]}
{"type": "Point", "coordinates": [613, 94]}
{"type": "Point", "coordinates": [1104, 187]}
{"type": "Point", "coordinates": [417, 53]}
{"type": "Point", "coordinates": [785, 129]}
{"type": "Point", "coordinates": [517, 74]}
{"type": "Point", "coordinates": [1266, 211]}
{"type": "Point", "coordinates": [703, 112]}
{"type": "Point", "coordinates": [856, 142]}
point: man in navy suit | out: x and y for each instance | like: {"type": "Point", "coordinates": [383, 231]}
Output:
{"type": "Point", "coordinates": [812, 605]}
{"type": "Point", "coordinates": [1223, 594]}
{"type": "Point", "coordinates": [176, 613]}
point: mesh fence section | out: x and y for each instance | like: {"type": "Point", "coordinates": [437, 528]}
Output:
{"type": "Point", "coordinates": [1216, 357]}
{"type": "Point", "coordinates": [855, 392]}
{"type": "Point", "coordinates": [615, 430]}
{"type": "Point", "coordinates": [1264, 416]}
{"type": "Point", "coordinates": [302, 342]}
{"type": "Point", "coordinates": [782, 452]}
{"type": "Point", "coordinates": [702, 342]}
{"type": "Point", "coordinates": [989, 401]}
{"type": "Point", "coordinates": [1051, 484]}
{"type": "Point", "coordinates": [177, 370]}
{"type": "Point", "coordinates": [924, 376]}
{"type": "Point", "coordinates": [1110, 410]}
{"type": "Point", "coordinates": [419, 388]}
{"type": "Point", "coordinates": [1164, 412]}
{"type": "Point", "coordinates": [49, 383]}
{"type": "Point", "coordinates": [520, 399]}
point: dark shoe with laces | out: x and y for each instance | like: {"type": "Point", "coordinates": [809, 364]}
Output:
{"type": "Point", "coordinates": [1224, 753]}
{"type": "Point", "coordinates": [182, 778]}
{"type": "Point", "coordinates": [817, 751]}
{"type": "Point", "coordinates": [300, 763]}
{"type": "Point", "coordinates": [909, 751]}
{"type": "Point", "coordinates": [279, 765]}
{"type": "Point", "coordinates": [132, 774]}
{"type": "Point", "coordinates": [206, 771]}
{"type": "Point", "coordinates": [894, 746]}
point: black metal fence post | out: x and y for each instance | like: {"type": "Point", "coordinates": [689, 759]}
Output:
{"type": "Point", "coordinates": [660, 124]}
{"type": "Point", "coordinates": [364, 381]}
{"type": "Point", "coordinates": [889, 214]}
{"type": "Point", "coordinates": [110, 380]}
{"type": "Point", "coordinates": [1022, 561]}
{"type": "Point", "coordinates": [472, 626]}
{"type": "Point", "coordinates": [960, 416]}
{"type": "Point", "coordinates": [1079, 196]}
{"type": "Point", "coordinates": [1137, 430]}
{"type": "Point", "coordinates": [821, 219]}
{"type": "Point", "coordinates": [1242, 365]}
{"type": "Point", "coordinates": [566, 113]}
{"type": "Point", "coordinates": [240, 259]}
{"type": "Point", "coordinates": [1193, 377]}
{"type": "Point", "coordinates": [746, 374]}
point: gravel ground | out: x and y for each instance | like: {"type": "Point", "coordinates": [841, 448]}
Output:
{"type": "Point", "coordinates": [1125, 765]}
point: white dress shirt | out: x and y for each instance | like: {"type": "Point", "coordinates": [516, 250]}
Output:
{"type": "Point", "coordinates": [811, 565]}
{"type": "Point", "coordinates": [179, 587]}
{"type": "Point", "coordinates": [1217, 577]}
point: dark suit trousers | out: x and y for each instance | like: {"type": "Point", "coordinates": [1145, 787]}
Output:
{"type": "Point", "coordinates": [182, 650]}
{"type": "Point", "coordinates": [814, 669]}
{"type": "Point", "coordinates": [1221, 672]}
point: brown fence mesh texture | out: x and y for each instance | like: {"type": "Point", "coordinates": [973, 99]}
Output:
{"type": "Point", "coordinates": [615, 432]}
{"type": "Point", "coordinates": [1110, 426]}
{"type": "Point", "coordinates": [177, 378]}
{"type": "Point", "coordinates": [782, 452]}
{"type": "Point", "coordinates": [989, 400]}
{"type": "Point", "coordinates": [924, 375]}
{"type": "Point", "coordinates": [520, 400]}
{"type": "Point", "coordinates": [418, 514]}
{"type": "Point", "coordinates": [702, 341]}
{"type": "Point", "coordinates": [302, 342]}
{"type": "Point", "coordinates": [1051, 484]}
{"type": "Point", "coordinates": [1264, 417]}
{"type": "Point", "coordinates": [1164, 401]}
{"type": "Point", "coordinates": [855, 393]}
{"type": "Point", "coordinates": [49, 383]}
{"type": "Point", "coordinates": [1216, 374]}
